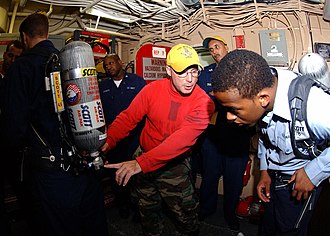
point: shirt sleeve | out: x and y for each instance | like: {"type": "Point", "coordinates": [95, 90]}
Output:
{"type": "Point", "coordinates": [262, 155]}
{"type": "Point", "coordinates": [318, 118]}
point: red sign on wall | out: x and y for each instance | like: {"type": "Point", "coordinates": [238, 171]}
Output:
{"type": "Point", "coordinates": [240, 41]}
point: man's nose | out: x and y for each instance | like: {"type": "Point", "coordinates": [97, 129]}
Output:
{"type": "Point", "coordinates": [231, 116]}
{"type": "Point", "coordinates": [189, 77]}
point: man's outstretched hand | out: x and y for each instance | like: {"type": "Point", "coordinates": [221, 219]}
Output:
{"type": "Point", "coordinates": [125, 170]}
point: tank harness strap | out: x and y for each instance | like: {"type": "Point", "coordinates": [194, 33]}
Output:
{"type": "Point", "coordinates": [51, 156]}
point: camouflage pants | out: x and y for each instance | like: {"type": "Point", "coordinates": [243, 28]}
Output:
{"type": "Point", "coordinates": [169, 187]}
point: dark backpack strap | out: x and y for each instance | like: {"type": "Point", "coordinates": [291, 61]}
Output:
{"type": "Point", "coordinates": [305, 147]}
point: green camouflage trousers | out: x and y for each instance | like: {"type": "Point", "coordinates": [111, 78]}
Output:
{"type": "Point", "coordinates": [169, 187]}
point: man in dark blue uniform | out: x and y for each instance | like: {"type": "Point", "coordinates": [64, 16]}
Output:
{"type": "Point", "coordinates": [117, 91]}
{"type": "Point", "coordinates": [63, 204]}
{"type": "Point", "coordinates": [8, 174]}
{"type": "Point", "coordinates": [224, 149]}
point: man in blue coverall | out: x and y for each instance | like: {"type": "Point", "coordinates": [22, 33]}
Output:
{"type": "Point", "coordinates": [224, 149]}
{"type": "Point", "coordinates": [117, 91]}
{"type": "Point", "coordinates": [8, 170]}
{"type": "Point", "coordinates": [62, 202]}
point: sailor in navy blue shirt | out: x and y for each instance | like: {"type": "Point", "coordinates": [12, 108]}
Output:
{"type": "Point", "coordinates": [204, 80]}
{"type": "Point", "coordinates": [117, 91]}
{"type": "Point", "coordinates": [119, 88]}
{"type": "Point", "coordinates": [56, 201]}
{"type": "Point", "coordinates": [224, 149]}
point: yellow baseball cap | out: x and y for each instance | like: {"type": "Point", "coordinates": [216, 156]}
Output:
{"type": "Point", "coordinates": [181, 56]}
{"type": "Point", "coordinates": [208, 39]}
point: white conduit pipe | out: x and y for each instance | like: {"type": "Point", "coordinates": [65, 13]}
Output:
{"type": "Point", "coordinates": [59, 17]}
{"type": "Point", "coordinates": [124, 7]}
{"type": "Point", "coordinates": [70, 30]}
{"type": "Point", "coordinates": [13, 17]}
{"type": "Point", "coordinates": [90, 6]}
{"type": "Point", "coordinates": [50, 10]}
{"type": "Point", "coordinates": [120, 49]}
{"type": "Point", "coordinates": [111, 33]}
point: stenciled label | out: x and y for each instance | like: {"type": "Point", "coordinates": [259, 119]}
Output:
{"type": "Point", "coordinates": [57, 91]}
{"type": "Point", "coordinates": [89, 71]}
{"type": "Point", "coordinates": [86, 116]}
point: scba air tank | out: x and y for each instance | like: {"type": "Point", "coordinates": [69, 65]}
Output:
{"type": "Point", "coordinates": [82, 98]}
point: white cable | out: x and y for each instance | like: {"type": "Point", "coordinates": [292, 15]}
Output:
{"type": "Point", "coordinates": [145, 19]}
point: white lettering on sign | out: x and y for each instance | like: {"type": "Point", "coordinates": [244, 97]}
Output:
{"type": "Point", "coordinates": [274, 52]}
{"type": "Point", "coordinates": [154, 68]}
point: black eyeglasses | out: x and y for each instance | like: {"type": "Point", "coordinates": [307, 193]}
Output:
{"type": "Point", "coordinates": [194, 73]}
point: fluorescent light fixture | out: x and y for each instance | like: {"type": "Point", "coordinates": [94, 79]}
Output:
{"type": "Point", "coordinates": [96, 12]}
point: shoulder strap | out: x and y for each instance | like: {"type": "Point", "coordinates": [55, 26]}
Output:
{"type": "Point", "coordinates": [302, 137]}
{"type": "Point", "coordinates": [46, 53]}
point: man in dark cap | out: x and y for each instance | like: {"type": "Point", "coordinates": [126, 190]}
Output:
{"type": "Point", "coordinates": [224, 149]}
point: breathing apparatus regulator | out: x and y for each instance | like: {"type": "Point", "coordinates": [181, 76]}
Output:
{"type": "Point", "coordinates": [72, 78]}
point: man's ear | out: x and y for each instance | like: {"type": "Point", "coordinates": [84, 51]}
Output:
{"type": "Point", "coordinates": [120, 62]}
{"type": "Point", "coordinates": [25, 40]}
{"type": "Point", "coordinates": [168, 70]}
{"type": "Point", "coordinates": [264, 98]}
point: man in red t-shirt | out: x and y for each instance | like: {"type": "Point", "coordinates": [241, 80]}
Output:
{"type": "Point", "coordinates": [177, 112]}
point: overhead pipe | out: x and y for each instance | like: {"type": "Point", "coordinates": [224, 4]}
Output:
{"type": "Point", "coordinates": [107, 32]}
{"type": "Point", "coordinates": [89, 29]}
{"type": "Point", "coordinates": [50, 11]}
{"type": "Point", "coordinates": [111, 33]}
{"type": "Point", "coordinates": [90, 6]}
{"type": "Point", "coordinates": [120, 49]}
{"type": "Point", "coordinates": [72, 19]}
{"type": "Point", "coordinates": [13, 17]}
{"type": "Point", "coordinates": [104, 7]}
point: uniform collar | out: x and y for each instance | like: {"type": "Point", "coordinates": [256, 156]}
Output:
{"type": "Point", "coordinates": [126, 75]}
{"type": "Point", "coordinates": [281, 105]}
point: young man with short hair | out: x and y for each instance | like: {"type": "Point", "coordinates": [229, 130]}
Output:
{"type": "Point", "coordinates": [244, 84]}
